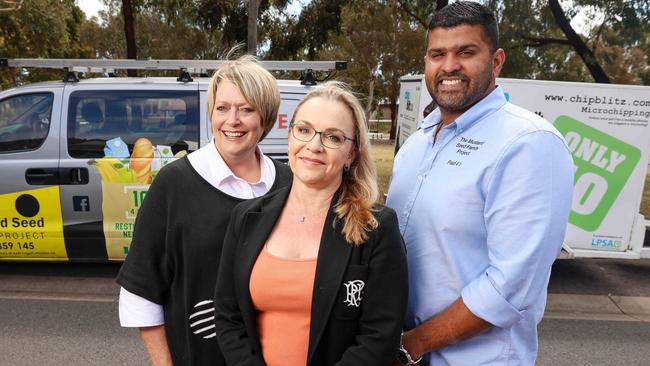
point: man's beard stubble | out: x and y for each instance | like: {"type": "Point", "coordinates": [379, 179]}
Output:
{"type": "Point", "coordinates": [476, 90]}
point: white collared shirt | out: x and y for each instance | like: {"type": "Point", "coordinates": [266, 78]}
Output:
{"type": "Point", "coordinates": [136, 311]}
{"type": "Point", "coordinates": [210, 165]}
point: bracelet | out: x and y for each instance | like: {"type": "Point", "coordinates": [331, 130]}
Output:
{"type": "Point", "coordinates": [403, 355]}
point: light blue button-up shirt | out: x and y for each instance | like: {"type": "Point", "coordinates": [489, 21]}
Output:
{"type": "Point", "coordinates": [483, 213]}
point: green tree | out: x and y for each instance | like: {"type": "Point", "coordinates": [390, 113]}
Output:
{"type": "Point", "coordinates": [306, 35]}
{"type": "Point", "coordinates": [40, 28]}
{"type": "Point", "coordinates": [227, 17]}
{"type": "Point", "coordinates": [421, 10]}
{"type": "Point", "coordinates": [540, 43]}
{"type": "Point", "coordinates": [382, 44]}
{"type": "Point", "coordinates": [156, 37]}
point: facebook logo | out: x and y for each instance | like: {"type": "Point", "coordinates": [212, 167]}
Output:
{"type": "Point", "coordinates": [80, 203]}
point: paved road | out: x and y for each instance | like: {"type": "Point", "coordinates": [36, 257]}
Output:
{"type": "Point", "coordinates": [593, 343]}
{"type": "Point", "coordinates": [601, 277]}
{"type": "Point", "coordinates": [55, 332]}
{"type": "Point", "coordinates": [66, 314]}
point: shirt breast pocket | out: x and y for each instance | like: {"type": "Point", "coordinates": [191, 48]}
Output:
{"type": "Point", "coordinates": [351, 292]}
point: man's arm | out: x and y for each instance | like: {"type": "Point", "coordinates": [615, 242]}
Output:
{"type": "Point", "coordinates": [155, 340]}
{"type": "Point", "coordinates": [454, 324]}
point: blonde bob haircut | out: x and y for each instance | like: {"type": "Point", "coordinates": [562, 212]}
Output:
{"type": "Point", "coordinates": [255, 83]}
{"type": "Point", "coordinates": [359, 191]}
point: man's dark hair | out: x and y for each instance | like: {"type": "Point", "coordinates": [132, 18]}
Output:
{"type": "Point", "coordinates": [467, 13]}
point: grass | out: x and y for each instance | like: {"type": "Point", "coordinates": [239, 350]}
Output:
{"type": "Point", "coordinates": [382, 153]}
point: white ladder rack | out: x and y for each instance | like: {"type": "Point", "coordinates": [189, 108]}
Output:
{"type": "Point", "coordinates": [184, 66]}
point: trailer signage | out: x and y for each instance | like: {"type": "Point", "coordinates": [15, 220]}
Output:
{"type": "Point", "coordinates": [607, 129]}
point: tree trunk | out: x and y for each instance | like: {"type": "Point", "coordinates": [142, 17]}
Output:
{"type": "Point", "coordinates": [405, 8]}
{"type": "Point", "coordinates": [371, 96]}
{"type": "Point", "coordinates": [393, 118]}
{"type": "Point", "coordinates": [252, 27]}
{"type": "Point", "coordinates": [129, 33]}
{"type": "Point", "coordinates": [579, 46]}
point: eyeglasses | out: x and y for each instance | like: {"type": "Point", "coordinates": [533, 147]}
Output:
{"type": "Point", "coordinates": [330, 138]}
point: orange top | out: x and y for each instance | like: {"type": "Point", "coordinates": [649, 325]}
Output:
{"type": "Point", "coordinates": [281, 290]}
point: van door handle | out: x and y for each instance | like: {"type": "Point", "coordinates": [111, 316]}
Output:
{"type": "Point", "coordinates": [73, 176]}
{"type": "Point", "coordinates": [42, 176]}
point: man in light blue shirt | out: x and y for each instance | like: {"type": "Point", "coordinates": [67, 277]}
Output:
{"type": "Point", "coordinates": [482, 192]}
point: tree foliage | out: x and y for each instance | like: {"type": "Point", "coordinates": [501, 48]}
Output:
{"type": "Point", "coordinates": [40, 28]}
{"type": "Point", "coordinates": [382, 44]}
{"type": "Point", "coordinates": [615, 40]}
{"type": "Point", "coordinates": [383, 39]}
{"type": "Point", "coordinates": [156, 37]}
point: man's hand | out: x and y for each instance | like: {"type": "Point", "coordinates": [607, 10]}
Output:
{"type": "Point", "coordinates": [454, 324]}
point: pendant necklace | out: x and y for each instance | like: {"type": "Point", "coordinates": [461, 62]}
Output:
{"type": "Point", "coordinates": [303, 218]}
{"type": "Point", "coordinates": [306, 218]}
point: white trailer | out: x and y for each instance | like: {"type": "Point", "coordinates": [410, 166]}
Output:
{"type": "Point", "coordinates": [607, 128]}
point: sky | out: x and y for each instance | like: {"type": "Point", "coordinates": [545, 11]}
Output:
{"type": "Point", "coordinates": [90, 7]}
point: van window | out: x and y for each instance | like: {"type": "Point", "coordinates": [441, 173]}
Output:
{"type": "Point", "coordinates": [168, 118]}
{"type": "Point", "coordinates": [24, 121]}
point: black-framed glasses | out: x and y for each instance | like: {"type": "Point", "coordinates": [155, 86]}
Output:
{"type": "Point", "coordinates": [331, 138]}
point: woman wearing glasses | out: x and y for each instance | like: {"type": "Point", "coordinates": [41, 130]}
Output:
{"type": "Point", "coordinates": [315, 274]}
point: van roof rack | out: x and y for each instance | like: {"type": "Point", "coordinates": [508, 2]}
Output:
{"type": "Point", "coordinates": [186, 67]}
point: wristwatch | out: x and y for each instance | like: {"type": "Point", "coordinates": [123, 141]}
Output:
{"type": "Point", "coordinates": [403, 356]}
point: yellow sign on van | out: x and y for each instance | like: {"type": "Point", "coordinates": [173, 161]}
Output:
{"type": "Point", "coordinates": [31, 225]}
{"type": "Point", "coordinates": [120, 206]}
{"type": "Point", "coordinates": [125, 182]}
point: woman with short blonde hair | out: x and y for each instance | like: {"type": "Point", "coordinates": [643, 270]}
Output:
{"type": "Point", "coordinates": [255, 83]}
{"type": "Point", "coordinates": [168, 278]}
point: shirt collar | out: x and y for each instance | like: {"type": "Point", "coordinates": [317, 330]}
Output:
{"type": "Point", "coordinates": [492, 102]}
{"type": "Point", "coordinates": [221, 172]}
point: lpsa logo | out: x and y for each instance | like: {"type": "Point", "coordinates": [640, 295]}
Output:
{"type": "Point", "coordinates": [603, 166]}
{"type": "Point", "coordinates": [605, 243]}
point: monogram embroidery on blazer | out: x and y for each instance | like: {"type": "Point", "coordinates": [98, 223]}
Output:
{"type": "Point", "coordinates": [353, 292]}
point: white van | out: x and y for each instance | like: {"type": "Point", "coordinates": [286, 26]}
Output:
{"type": "Point", "coordinates": [77, 158]}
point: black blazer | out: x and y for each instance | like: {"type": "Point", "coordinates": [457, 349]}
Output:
{"type": "Point", "coordinates": [340, 333]}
